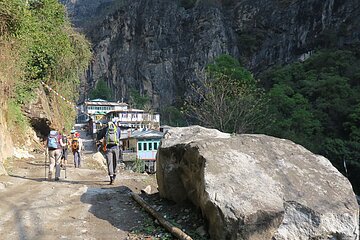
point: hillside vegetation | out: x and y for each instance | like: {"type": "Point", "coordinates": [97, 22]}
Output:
{"type": "Point", "coordinates": [315, 103]}
{"type": "Point", "coordinates": [38, 44]}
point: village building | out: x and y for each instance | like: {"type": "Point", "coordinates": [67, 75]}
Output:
{"type": "Point", "coordinates": [134, 119]}
{"type": "Point", "coordinates": [96, 109]}
{"type": "Point", "coordinates": [143, 145]}
{"type": "Point", "coordinates": [140, 135]}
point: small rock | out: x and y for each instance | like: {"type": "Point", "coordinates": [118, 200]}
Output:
{"type": "Point", "coordinates": [147, 190]}
{"type": "Point", "coordinates": [2, 185]}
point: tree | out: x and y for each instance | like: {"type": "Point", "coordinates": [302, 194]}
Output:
{"type": "Point", "coordinates": [138, 100]}
{"type": "Point", "coordinates": [101, 91]}
{"type": "Point", "coordinates": [227, 98]}
{"type": "Point", "coordinates": [317, 104]}
{"type": "Point", "coordinates": [171, 115]}
{"type": "Point", "coordinates": [292, 116]}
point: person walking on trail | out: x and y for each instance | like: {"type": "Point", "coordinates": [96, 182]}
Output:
{"type": "Point", "coordinates": [54, 147]}
{"type": "Point", "coordinates": [65, 150]}
{"type": "Point", "coordinates": [111, 141]}
{"type": "Point", "coordinates": [76, 147]}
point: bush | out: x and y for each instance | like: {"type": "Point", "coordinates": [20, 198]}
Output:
{"type": "Point", "coordinates": [139, 165]}
{"type": "Point", "coordinates": [17, 122]}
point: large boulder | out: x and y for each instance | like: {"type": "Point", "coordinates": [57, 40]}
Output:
{"type": "Point", "coordinates": [256, 186]}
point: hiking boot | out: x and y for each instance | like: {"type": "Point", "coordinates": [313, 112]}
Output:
{"type": "Point", "coordinates": [50, 176]}
{"type": "Point", "coordinates": [56, 179]}
{"type": "Point", "coordinates": [111, 180]}
{"type": "Point", "coordinates": [114, 176]}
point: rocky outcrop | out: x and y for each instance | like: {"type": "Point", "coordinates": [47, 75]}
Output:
{"type": "Point", "coordinates": [256, 186]}
{"type": "Point", "coordinates": [18, 143]}
{"type": "Point", "coordinates": [157, 46]}
{"type": "Point", "coordinates": [40, 114]}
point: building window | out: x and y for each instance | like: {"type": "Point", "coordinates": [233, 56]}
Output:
{"type": "Point", "coordinates": [139, 147]}
{"type": "Point", "coordinates": [155, 145]}
{"type": "Point", "coordinates": [145, 146]}
{"type": "Point", "coordinates": [150, 146]}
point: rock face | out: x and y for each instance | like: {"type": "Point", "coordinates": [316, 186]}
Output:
{"type": "Point", "coordinates": [256, 187]}
{"type": "Point", "coordinates": [157, 46]}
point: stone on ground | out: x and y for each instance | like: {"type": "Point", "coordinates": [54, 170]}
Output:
{"type": "Point", "coordinates": [256, 186]}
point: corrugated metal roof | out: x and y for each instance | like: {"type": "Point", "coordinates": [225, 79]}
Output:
{"type": "Point", "coordinates": [90, 103]}
{"type": "Point", "coordinates": [146, 134]}
{"type": "Point", "coordinates": [130, 110]}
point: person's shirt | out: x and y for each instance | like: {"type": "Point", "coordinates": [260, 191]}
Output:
{"type": "Point", "coordinates": [80, 144]}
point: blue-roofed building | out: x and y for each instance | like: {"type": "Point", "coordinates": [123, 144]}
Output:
{"type": "Point", "coordinates": [146, 144]}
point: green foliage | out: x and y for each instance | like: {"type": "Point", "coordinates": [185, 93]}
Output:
{"type": "Point", "coordinates": [138, 100]}
{"type": "Point", "coordinates": [11, 17]}
{"type": "Point", "coordinates": [352, 125]}
{"type": "Point", "coordinates": [228, 98]}
{"type": "Point", "coordinates": [149, 227]}
{"type": "Point", "coordinates": [317, 104]}
{"type": "Point", "coordinates": [139, 165]}
{"type": "Point", "coordinates": [101, 91]}
{"type": "Point", "coordinates": [50, 50]}
{"type": "Point", "coordinates": [172, 116]}
{"type": "Point", "coordinates": [293, 117]}
{"type": "Point", "coordinates": [15, 118]}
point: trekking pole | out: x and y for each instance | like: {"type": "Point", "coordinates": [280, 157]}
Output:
{"type": "Point", "coordinates": [45, 162]}
{"type": "Point", "coordinates": [65, 170]}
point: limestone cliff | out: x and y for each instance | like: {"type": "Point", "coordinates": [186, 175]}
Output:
{"type": "Point", "coordinates": [156, 46]}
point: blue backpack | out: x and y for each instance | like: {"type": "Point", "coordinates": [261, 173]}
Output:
{"type": "Point", "coordinates": [53, 141]}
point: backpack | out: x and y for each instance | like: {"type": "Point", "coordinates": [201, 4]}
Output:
{"type": "Point", "coordinates": [75, 144]}
{"type": "Point", "coordinates": [53, 141]}
{"type": "Point", "coordinates": [111, 135]}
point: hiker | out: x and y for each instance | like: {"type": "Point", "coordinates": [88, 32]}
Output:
{"type": "Point", "coordinates": [65, 150]}
{"type": "Point", "coordinates": [76, 147]}
{"type": "Point", "coordinates": [111, 140]}
{"type": "Point", "coordinates": [54, 146]}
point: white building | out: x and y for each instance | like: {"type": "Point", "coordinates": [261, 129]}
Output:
{"type": "Point", "coordinates": [102, 110]}
{"type": "Point", "coordinates": [135, 118]}
{"type": "Point", "coordinates": [97, 108]}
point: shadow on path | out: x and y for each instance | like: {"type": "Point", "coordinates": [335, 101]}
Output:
{"type": "Point", "coordinates": [115, 205]}
{"type": "Point", "coordinates": [86, 182]}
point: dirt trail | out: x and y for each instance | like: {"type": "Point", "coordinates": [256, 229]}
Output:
{"type": "Point", "coordinates": [82, 206]}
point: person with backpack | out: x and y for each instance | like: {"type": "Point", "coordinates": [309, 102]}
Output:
{"type": "Point", "coordinates": [76, 146]}
{"type": "Point", "coordinates": [54, 146]}
{"type": "Point", "coordinates": [111, 140]}
{"type": "Point", "coordinates": [65, 150]}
